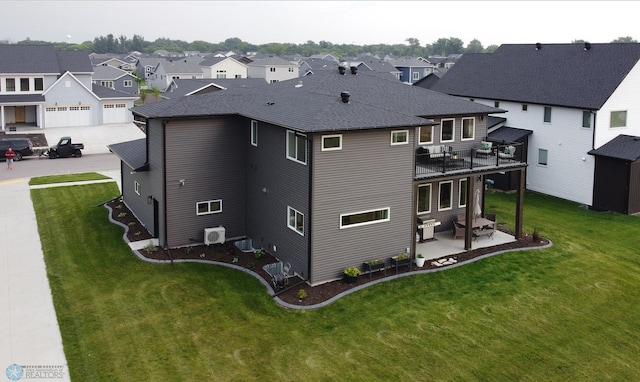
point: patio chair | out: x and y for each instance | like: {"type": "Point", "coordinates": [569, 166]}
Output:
{"type": "Point", "coordinates": [458, 230]}
{"type": "Point", "coordinates": [485, 149]}
{"type": "Point", "coordinates": [508, 153]}
{"type": "Point", "coordinates": [486, 231]}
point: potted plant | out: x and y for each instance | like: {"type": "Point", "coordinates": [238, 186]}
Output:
{"type": "Point", "coordinates": [351, 275]}
{"type": "Point", "coordinates": [374, 265]}
{"type": "Point", "coordinates": [454, 155]}
{"type": "Point", "coordinates": [420, 259]}
{"type": "Point", "coordinates": [400, 260]}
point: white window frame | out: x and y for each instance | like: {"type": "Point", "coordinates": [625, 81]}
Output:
{"type": "Point", "coordinates": [290, 134]}
{"type": "Point", "coordinates": [461, 193]}
{"type": "Point", "coordinates": [420, 142]}
{"type": "Point", "coordinates": [622, 113]}
{"type": "Point", "coordinates": [331, 136]}
{"type": "Point", "coordinates": [209, 205]}
{"type": "Point", "coordinates": [127, 83]}
{"type": "Point", "coordinates": [294, 214]}
{"type": "Point", "coordinates": [136, 187]}
{"type": "Point", "coordinates": [396, 133]}
{"type": "Point", "coordinates": [544, 114]}
{"type": "Point", "coordinates": [440, 208]}
{"type": "Point", "coordinates": [428, 196]}
{"type": "Point", "coordinates": [525, 107]}
{"type": "Point", "coordinates": [586, 116]}
{"type": "Point", "coordinates": [453, 130]}
{"type": "Point", "coordinates": [473, 129]}
{"type": "Point", "coordinates": [546, 163]}
{"type": "Point", "coordinates": [254, 133]}
{"type": "Point", "coordinates": [415, 75]}
{"type": "Point", "coordinates": [375, 221]}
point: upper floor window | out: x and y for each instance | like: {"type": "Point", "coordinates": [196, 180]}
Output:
{"type": "Point", "coordinates": [107, 84]}
{"type": "Point", "coordinates": [364, 218]}
{"type": "Point", "coordinates": [468, 128]}
{"type": "Point", "coordinates": [209, 207]}
{"type": "Point", "coordinates": [424, 198]}
{"type": "Point", "coordinates": [525, 107]}
{"type": "Point", "coordinates": [136, 187]}
{"type": "Point", "coordinates": [447, 133]}
{"type": "Point", "coordinates": [290, 70]}
{"type": "Point", "coordinates": [332, 142]}
{"type": "Point", "coordinates": [296, 147]}
{"type": "Point", "coordinates": [272, 70]}
{"type": "Point", "coordinates": [127, 83]}
{"type": "Point", "coordinates": [221, 74]}
{"type": "Point", "coordinates": [547, 114]}
{"type": "Point", "coordinates": [426, 134]}
{"type": "Point", "coordinates": [618, 119]}
{"type": "Point", "coordinates": [254, 133]}
{"type": "Point", "coordinates": [10, 84]}
{"type": "Point", "coordinates": [543, 157]}
{"type": "Point", "coordinates": [445, 195]}
{"type": "Point", "coordinates": [416, 76]}
{"type": "Point", "coordinates": [400, 137]}
{"type": "Point", "coordinates": [496, 104]}
{"type": "Point", "coordinates": [586, 119]}
{"type": "Point", "coordinates": [24, 84]}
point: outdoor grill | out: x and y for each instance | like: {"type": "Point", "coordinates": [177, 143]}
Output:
{"type": "Point", "coordinates": [426, 229]}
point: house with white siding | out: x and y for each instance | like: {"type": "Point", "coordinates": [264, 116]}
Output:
{"type": "Point", "coordinates": [325, 173]}
{"type": "Point", "coordinates": [223, 68]}
{"type": "Point", "coordinates": [273, 69]}
{"type": "Point", "coordinates": [573, 97]}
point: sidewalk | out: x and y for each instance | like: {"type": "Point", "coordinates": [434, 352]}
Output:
{"type": "Point", "coordinates": [30, 339]}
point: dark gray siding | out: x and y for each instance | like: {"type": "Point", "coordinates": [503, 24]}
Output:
{"type": "Point", "coordinates": [445, 216]}
{"type": "Point", "coordinates": [209, 155]}
{"type": "Point", "coordinates": [367, 174]}
{"type": "Point", "coordinates": [274, 183]}
{"type": "Point", "coordinates": [634, 188]}
{"type": "Point", "coordinates": [138, 203]}
{"type": "Point", "coordinates": [155, 152]}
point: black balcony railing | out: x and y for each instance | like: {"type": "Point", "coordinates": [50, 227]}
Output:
{"type": "Point", "coordinates": [461, 160]}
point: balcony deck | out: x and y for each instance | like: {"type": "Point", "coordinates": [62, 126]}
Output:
{"type": "Point", "coordinates": [466, 161]}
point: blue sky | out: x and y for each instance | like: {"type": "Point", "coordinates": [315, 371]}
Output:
{"type": "Point", "coordinates": [338, 22]}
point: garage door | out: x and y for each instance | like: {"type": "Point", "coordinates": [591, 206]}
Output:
{"type": "Point", "coordinates": [62, 116]}
{"type": "Point", "coordinates": [115, 113]}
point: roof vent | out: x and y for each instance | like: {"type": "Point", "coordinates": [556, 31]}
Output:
{"type": "Point", "coordinates": [538, 46]}
{"type": "Point", "coordinates": [354, 70]}
{"type": "Point", "coordinates": [345, 97]}
{"type": "Point", "coordinates": [299, 84]}
{"type": "Point", "coordinates": [342, 69]}
{"type": "Point", "coordinates": [587, 46]}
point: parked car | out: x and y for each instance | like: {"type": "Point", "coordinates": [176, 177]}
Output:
{"type": "Point", "coordinates": [22, 146]}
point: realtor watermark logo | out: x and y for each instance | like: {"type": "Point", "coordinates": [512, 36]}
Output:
{"type": "Point", "coordinates": [17, 372]}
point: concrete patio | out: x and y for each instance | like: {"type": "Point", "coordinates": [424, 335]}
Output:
{"type": "Point", "coordinates": [444, 244]}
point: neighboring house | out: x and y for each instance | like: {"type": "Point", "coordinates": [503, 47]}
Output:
{"type": "Point", "coordinates": [573, 97]}
{"type": "Point", "coordinates": [114, 105]}
{"type": "Point", "coordinates": [222, 68]}
{"type": "Point", "coordinates": [181, 88]}
{"type": "Point", "coordinates": [321, 173]}
{"type": "Point", "coordinates": [273, 69]}
{"type": "Point", "coordinates": [114, 78]}
{"type": "Point", "coordinates": [168, 70]}
{"type": "Point", "coordinates": [146, 65]}
{"type": "Point", "coordinates": [42, 87]}
{"type": "Point", "coordinates": [412, 69]}
{"type": "Point", "coordinates": [120, 61]}
{"type": "Point", "coordinates": [324, 56]}
{"type": "Point", "coordinates": [617, 175]}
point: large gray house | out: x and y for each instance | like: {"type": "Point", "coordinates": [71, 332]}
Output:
{"type": "Point", "coordinates": [325, 172]}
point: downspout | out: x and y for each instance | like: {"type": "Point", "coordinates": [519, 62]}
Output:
{"type": "Point", "coordinates": [164, 184]}
{"type": "Point", "coordinates": [310, 206]}
{"type": "Point", "coordinates": [593, 135]}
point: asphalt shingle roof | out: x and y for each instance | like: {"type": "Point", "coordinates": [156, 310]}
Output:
{"type": "Point", "coordinates": [625, 147]}
{"type": "Point", "coordinates": [376, 100]}
{"type": "Point", "coordinates": [133, 153]}
{"type": "Point", "coordinates": [556, 74]}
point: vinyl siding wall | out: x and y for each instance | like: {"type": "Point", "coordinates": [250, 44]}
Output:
{"type": "Point", "coordinates": [273, 184]}
{"type": "Point", "coordinates": [155, 150]}
{"type": "Point", "coordinates": [209, 156]}
{"type": "Point", "coordinates": [567, 175]}
{"type": "Point", "coordinates": [367, 174]}
{"type": "Point", "coordinates": [138, 203]}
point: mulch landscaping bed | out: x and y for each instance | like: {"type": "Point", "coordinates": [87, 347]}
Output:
{"type": "Point", "coordinates": [229, 253]}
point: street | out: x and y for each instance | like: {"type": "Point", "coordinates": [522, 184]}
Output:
{"type": "Point", "coordinates": [33, 166]}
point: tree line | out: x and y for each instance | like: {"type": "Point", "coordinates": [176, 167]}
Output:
{"type": "Point", "coordinates": [411, 47]}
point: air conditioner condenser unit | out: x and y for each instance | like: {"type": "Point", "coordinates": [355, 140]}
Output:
{"type": "Point", "coordinates": [214, 235]}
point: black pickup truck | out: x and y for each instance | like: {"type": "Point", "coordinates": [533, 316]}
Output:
{"type": "Point", "coordinates": [65, 149]}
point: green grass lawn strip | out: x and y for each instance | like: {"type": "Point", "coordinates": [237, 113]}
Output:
{"type": "Point", "coordinates": [53, 179]}
{"type": "Point", "coordinates": [563, 313]}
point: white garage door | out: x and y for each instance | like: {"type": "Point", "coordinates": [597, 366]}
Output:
{"type": "Point", "coordinates": [62, 116]}
{"type": "Point", "coordinates": [115, 113]}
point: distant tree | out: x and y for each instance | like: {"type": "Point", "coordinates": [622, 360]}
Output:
{"type": "Point", "coordinates": [491, 48]}
{"type": "Point", "coordinates": [414, 46]}
{"type": "Point", "coordinates": [475, 46]}
{"type": "Point", "coordinates": [624, 39]}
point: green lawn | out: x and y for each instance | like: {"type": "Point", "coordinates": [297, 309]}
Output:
{"type": "Point", "coordinates": [569, 312]}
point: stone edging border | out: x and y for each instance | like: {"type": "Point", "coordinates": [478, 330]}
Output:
{"type": "Point", "coordinates": [332, 299]}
